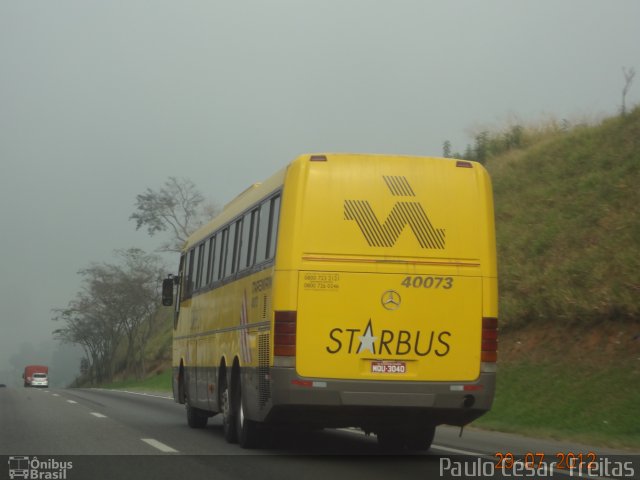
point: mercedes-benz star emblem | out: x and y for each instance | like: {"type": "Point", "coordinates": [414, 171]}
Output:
{"type": "Point", "coordinates": [391, 300]}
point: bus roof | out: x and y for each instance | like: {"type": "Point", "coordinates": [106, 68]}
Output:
{"type": "Point", "coordinates": [238, 205]}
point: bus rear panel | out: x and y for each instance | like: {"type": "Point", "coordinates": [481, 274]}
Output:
{"type": "Point", "coordinates": [385, 281]}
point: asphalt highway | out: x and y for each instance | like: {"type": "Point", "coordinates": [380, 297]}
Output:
{"type": "Point", "coordinates": [117, 434]}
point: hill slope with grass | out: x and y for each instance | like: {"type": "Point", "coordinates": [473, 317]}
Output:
{"type": "Point", "coordinates": [568, 232]}
{"type": "Point", "coordinates": [568, 225]}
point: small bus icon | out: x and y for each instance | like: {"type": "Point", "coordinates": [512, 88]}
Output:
{"type": "Point", "coordinates": [18, 467]}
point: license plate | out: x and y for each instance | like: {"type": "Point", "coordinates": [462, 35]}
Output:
{"type": "Point", "coordinates": [388, 367]}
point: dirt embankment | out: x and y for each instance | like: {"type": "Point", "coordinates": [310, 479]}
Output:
{"type": "Point", "coordinates": [591, 346]}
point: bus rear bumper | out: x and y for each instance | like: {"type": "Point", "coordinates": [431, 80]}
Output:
{"type": "Point", "coordinates": [337, 403]}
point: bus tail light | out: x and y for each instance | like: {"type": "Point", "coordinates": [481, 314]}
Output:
{"type": "Point", "coordinates": [489, 340]}
{"type": "Point", "coordinates": [284, 342]}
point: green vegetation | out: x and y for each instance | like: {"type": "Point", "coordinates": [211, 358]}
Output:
{"type": "Point", "coordinates": [158, 382]}
{"type": "Point", "coordinates": [568, 225]}
{"type": "Point", "coordinates": [567, 401]}
{"type": "Point", "coordinates": [568, 231]}
{"type": "Point", "coordinates": [567, 405]}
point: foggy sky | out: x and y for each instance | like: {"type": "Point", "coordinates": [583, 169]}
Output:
{"type": "Point", "coordinates": [100, 100]}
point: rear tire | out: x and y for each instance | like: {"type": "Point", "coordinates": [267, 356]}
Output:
{"type": "Point", "coordinates": [228, 415]}
{"type": "Point", "coordinates": [247, 431]}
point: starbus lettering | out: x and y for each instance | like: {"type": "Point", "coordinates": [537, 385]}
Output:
{"type": "Point", "coordinates": [389, 342]}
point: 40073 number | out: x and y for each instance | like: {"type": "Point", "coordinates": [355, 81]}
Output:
{"type": "Point", "coordinates": [427, 282]}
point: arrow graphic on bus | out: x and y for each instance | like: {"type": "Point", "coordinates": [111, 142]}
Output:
{"type": "Point", "coordinates": [385, 234]}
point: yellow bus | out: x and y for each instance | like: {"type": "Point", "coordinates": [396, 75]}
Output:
{"type": "Point", "coordinates": [344, 291]}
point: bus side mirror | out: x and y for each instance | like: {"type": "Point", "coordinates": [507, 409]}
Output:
{"type": "Point", "coordinates": [167, 291]}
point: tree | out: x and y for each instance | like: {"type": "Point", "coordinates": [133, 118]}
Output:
{"type": "Point", "coordinates": [446, 149]}
{"type": "Point", "coordinates": [482, 146]}
{"type": "Point", "coordinates": [513, 137]}
{"type": "Point", "coordinates": [87, 326]}
{"type": "Point", "coordinates": [468, 153]}
{"type": "Point", "coordinates": [138, 288]}
{"type": "Point", "coordinates": [628, 80]}
{"type": "Point", "coordinates": [117, 302]}
{"type": "Point", "coordinates": [177, 207]}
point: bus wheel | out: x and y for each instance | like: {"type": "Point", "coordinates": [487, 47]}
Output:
{"type": "Point", "coordinates": [196, 418]}
{"type": "Point", "coordinates": [247, 431]}
{"type": "Point", "coordinates": [228, 416]}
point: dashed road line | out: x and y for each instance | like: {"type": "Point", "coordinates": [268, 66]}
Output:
{"type": "Point", "coordinates": [71, 401]}
{"type": "Point", "coordinates": [159, 445]}
{"type": "Point", "coordinates": [99, 415]}
{"type": "Point", "coordinates": [457, 451]}
{"type": "Point", "coordinates": [144, 394]}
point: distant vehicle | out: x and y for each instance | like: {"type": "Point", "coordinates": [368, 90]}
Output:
{"type": "Point", "coordinates": [344, 291]}
{"type": "Point", "coordinates": [30, 378]}
{"type": "Point", "coordinates": [40, 380]}
{"type": "Point", "coordinates": [2, 385]}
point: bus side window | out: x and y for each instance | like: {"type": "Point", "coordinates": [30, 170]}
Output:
{"type": "Point", "coordinates": [217, 257]}
{"type": "Point", "coordinates": [197, 263]}
{"type": "Point", "coordinates": [210, 264]}
{"type": "Point", "coordinates": [224, 253]}
{"type": "Point", "coordinates": [245, 244]}
{"type": "Point", "coordinates": [237, 232]}
{"type": "Point", "coordinates": [263, 231]}
{"type": "Point", "coordinates": [251, 247]}
{"type": "Point", "coordinates": [188, 275]}
{"type": "Point", "coordinates": [273, 226]}
{"type": "Point", "coordinates": [231, 241]}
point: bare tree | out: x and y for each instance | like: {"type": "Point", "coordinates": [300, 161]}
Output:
{"type": "Point", "coordinates": [177, 207]}
{"type": "Point", "coordinates": [87, 325]}
{"type": "Point", "coordinates": [138, 287]}
{"type": "Point", "coordinates": [118, 303]}
{"type": "Point", "coordinates": [628, 80]}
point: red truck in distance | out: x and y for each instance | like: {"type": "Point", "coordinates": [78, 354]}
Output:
{"type": "Point", "coordinates": [36, 376]}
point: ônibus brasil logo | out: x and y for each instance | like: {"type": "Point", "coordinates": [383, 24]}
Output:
{"type": "Point", "coordinates": [34, 468]}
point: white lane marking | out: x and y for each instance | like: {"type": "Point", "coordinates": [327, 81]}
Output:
{"type": "Point", "coordinates": [159, 445]}
{"type": "Point", "coordinates": [55, 395]}
{"type": "Point", "coordinates": [136, 393]}
{"type": "Point", "coordinates": [99, 415]}
{"type": "Point", "coordinates": [459, 452]}
{"type": "Point", "coordinates": [71, 401]}
{"type": "Point", "coordinates": [148, 395]}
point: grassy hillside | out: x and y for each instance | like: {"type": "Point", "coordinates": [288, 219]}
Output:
{"type": "Point", "coordinates": [568, 231]}
{"type": "Point", "coordinates": [568, 226]}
